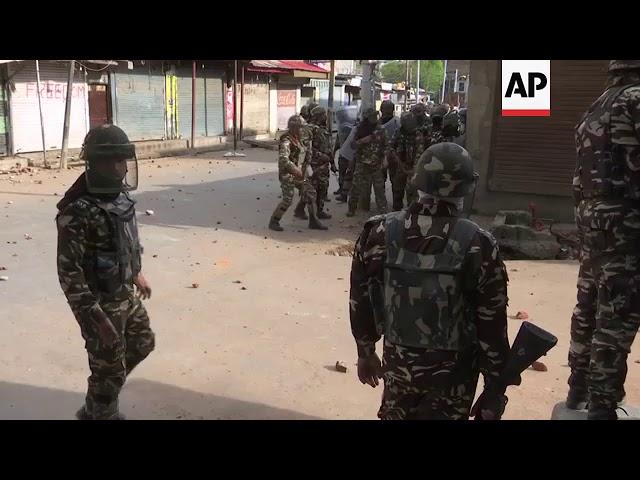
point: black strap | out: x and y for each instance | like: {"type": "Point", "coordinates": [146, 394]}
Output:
{"type": "Point", "coordinates": [463, 233]}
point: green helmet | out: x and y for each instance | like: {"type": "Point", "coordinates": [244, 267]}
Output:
{"type": "Point", "coordinates": [408, 122]}
{"type": "Point", "coordinates": [445, 170]}
{"type": "Point", "coordinates": [620, 65]}
{"type": "Point", "coordinates": [305, 111]}
{"type": "Point", "coordinates": [295, 121]}
{"type": "Point", "coordinates": [110, 160]}
{"type": "Point", "coordinates": [319, 116]}
{"type": "Point", "coordinates": [419, 109]}
{"type": "Point", "coordinates": [369, 112]}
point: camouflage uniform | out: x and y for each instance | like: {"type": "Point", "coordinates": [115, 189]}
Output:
{"type": "Point", "coordinates": [422, 383]}
{"type": "Point", "coordinates": [405, 149]}
{"type": "Point", "coordinates": [294, 152]}
{"type": "Point", "coordinates": [434, 285]}
{"type": "Point", "coordinates": [369, 170]}
{"type": "Point", "coordinates": [96, 270]}
{"type": "Point", "coordinates": [607, 193]}
{"type": "Point", "coordinates": [321, 163]}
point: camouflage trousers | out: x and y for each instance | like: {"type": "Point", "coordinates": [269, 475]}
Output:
{"type": "Point", "coordinates": [343, 166]}
{"type": "Point", "coordinates": [110, 366]}
{"type": "Point", "coordinates": [289, 184]}
{"type": "Point", "coordinates": [400, 186]}
{"type": "Point", "coordinates": [604, 324]}
{"type": "Point", "coordinates": [427, 385]}
{"type": "Point", "coordinates": [364, 176]}
{"type": "Point", "coordinates": [320, 182]}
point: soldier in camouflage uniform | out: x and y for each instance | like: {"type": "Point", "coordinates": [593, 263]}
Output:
{"type": "Point", "coordinates": [405, 149]}
{"type": "Point", "coordinates": [434, 285]}
{"type": "Point", "coordinates": [306, 136]}
{"type": "Point", "coordinates": [99, 262]}
{"type": "Point", "coordinates": [438, 132]}
{"type": "Point", "coordinates": [294, 158]}
{"type": "Point", "coordinates": [321, 158]}
{"type": "Point", "coordinates": [371, 144]}
{"type": "Point", "coordinates": [423, 120]}
{"type": "Point", "coordinates": [607, 199]}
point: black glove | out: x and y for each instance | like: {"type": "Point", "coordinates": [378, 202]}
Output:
{"type": "Point", "coordinates": [489, 406]}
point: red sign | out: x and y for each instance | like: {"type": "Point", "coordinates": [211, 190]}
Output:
{"type": "Point", "coordinates": [286, 98]}
{"type": "Point", "coordinates": [229, 109]}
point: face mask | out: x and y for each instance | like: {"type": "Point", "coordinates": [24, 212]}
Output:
{"type": "Point", "coordinates": [424, 198]}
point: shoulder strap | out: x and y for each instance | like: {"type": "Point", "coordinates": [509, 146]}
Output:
{"type": "Point", "coordinates": [461, 237]}
{"type": "Point", "coordinates": [394, 233]}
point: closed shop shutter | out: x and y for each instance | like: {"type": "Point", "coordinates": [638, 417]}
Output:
{"type": "Point", "coordinates": [140, 104]}
{"type": "Point", "coordinates": [537, 154]}
{"type": "Point", "coordinates": [256, 104]}
{"type": "Point", "coordinates": [215, 102]}
{"type": "Point", "coordinates": [184, 103]}
{"type": "Point", "coordinates": [209, 104]}
{"type": "Point", "coordinates": [25, 115]}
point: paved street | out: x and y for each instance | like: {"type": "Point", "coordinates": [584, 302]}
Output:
{"type": "Point", "coordinates": [263, 348]}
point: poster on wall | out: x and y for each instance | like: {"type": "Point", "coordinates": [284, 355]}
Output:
{"type": "Point", "coordinates": [229, 110]}
{"type": "Point", "coordinates": [286, 106]}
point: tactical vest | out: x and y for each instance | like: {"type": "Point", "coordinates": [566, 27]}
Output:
{"type": "Point", "coordinates": [110, 269]}
{"type": "Point", "coordinates": [423, 298]}
{"type": "Point", "coordinates": [601, 163]}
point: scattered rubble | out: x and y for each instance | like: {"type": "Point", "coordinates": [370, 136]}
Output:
{"type": "Point", "coordinates": [195, 285]}
{"type": "Point", "coordinates": [150, 212]}
{"type": "Point", "coordinates": [522, 315]}
{"type": "Point", "coordinates": [345, 250]}
{"type": "Point", "coordinates": [539, 367]}
{"type": "Point", "coordinates": [341, 367]}
{"type": "Point", "coordinates": [27, 236]}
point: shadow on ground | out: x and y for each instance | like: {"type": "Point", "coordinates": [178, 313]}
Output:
{"type": "Point", "coordinates": [242, 204]}
{"type": "Point", "coordinates": [140, 400]}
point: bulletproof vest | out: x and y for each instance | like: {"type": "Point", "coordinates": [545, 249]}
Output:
{"type": "Point", "coordinates": [118, 266]}
{"type": "Point", "coordinates": [423, 299]}
{"type": "Point", "coordinates": [601, 163]}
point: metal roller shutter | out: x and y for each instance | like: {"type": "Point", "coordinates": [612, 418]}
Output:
{"type": "Point", "coordinates": [25, 115]}
{"type": "Point", "coordinates": [215, 102]}
{"type": "Point", "coordinates": [537, 154]}
{"type": "Point", "coordinates": [140, 104]}
{"type": "Point", "coordinates": [256, 104]}
{"type": "Point", "coordinates": [184, 103]}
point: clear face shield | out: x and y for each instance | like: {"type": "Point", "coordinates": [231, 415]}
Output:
{"type": "Point", "coordinates": [110, 168]}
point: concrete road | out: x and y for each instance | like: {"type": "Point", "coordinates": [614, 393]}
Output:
{"type": "Point", "coordinates": [260, 349]}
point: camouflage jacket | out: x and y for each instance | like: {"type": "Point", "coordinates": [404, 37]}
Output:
{"type": "Point", "coordinates": [292, 152]}
{"type": "Point", "coordinates": [91, 268]}
{"type": "Point", "coordinates": [408, 147]}
{"type": "Point", "coordinates": [321, 146]}
{"type": "Point", "coordinates": [485, 287]}
{"type": "Point", "coordinates": [373, 153]}
{"type": "Point", "coordinates": [609, 134]}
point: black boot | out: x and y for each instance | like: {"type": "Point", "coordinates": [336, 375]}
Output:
{"type": "Point", "coordinates": [274, 224]}
{"type": "Point", "coordinates": [577, 399]}
{"type": "Point", "coordinates": [82, 414]}
{"type": "Point", "coordinates": [314, 223]}
{"type": "Point", "coordinates": [602, 414]}
{"type": "Point", "coordinates": [299, 211]}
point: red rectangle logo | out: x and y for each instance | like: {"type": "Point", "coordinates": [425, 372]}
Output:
{"type": "Point", "coordinates": [526, 113]}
